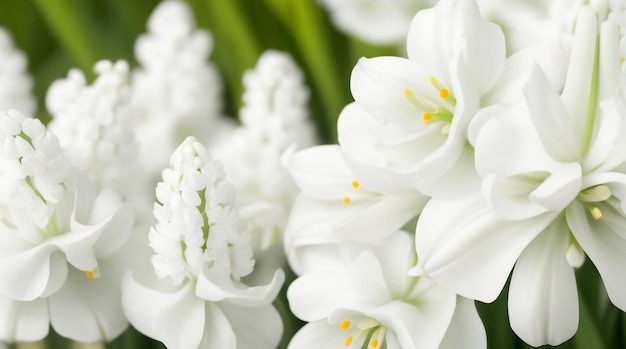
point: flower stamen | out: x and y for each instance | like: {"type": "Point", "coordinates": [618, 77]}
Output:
{"type": "Point", "coordinates": [444, 93]}
{"type": "Point", "coordinates": [356, 184]}
{"type": "Point", "coordinates": [346, 200]}
{"type": "Point", "coordinates": [93, 274]}
{"type": "Point", "coordinates": [345, 324]}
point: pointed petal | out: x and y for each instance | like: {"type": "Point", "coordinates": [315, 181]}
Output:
{"type": "Point", "coordinates": [215, 286]}
{"type": "Point", "coordinates": [23, 321]}
{"type": "Point", "coordinates": [313, 296]}
{"type": "Point", "coordinates": [254, 327]}
{"type": "Point", "coordinates": [543, 299]}
{"type": "Point", "coordinates": [473, 253]}
{"type": "Point", "coordinates": [218, 330]}
{"type": "Point", "coordinates": [175, 318]}
{"type": "Point", "coordinates": [604, 246]}
{"type": "Point", "coordinates": [466, 330]}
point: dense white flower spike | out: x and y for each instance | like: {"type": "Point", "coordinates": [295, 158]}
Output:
{"type": "Point", "coordinates": [176, 91]}
{"type": "Point", "coordinates": [200, 255]}
{"type": "Point", "coordinates": [16, 85]}
{"type": "Point", "coordinates": [375, 21]}
{"type": "Point", "coordinates": [553, 171]}
{"type": "Point", "coordinates": [94, 125]}
{"type": "Point", "coordinates": [274, 119]}
{"type": "Point", "coordinates": [366, 300]}
{"type": "Point", "coordinates": [59, 241]}
{"type": "Point", "coordinates": [343, 201]}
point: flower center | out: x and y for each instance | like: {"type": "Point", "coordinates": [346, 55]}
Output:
{"type": "Point", "coordinates": [434, 110]}
{"type": "Point", "coordinates": [590, 197]}
{"type": "Point", "coordinates": [368, 333]}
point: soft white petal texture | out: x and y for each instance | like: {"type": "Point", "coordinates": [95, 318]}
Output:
{"type": "Point", "coordinates": [368, 278]}
{"type": "Point", "coordinates": [378, 86]}
{"type": "Point", "coordinates": [89, 310]}
{"type": "Point", "coordinates": [466, 330]}
{"type": "Point", "coordinates": [176, 318]}
{"type": "Point", "coordinates": [313, 296]}
{"type": "Point", "coordinates": [218, 331]}
{"type": "Point", "coordinates": [543, 299]}
{"type": "Point", "coordinates": [473, 253]}
{"type": "Point", "coordinates": [255, 327]}
{"type": "Point", "coordinates": [215, 286]}
{"type": "Point", "coordinates": [318, 334]}
{"type": "Point", "coordinates": [23, 321]}
{"type": "Point", "coordinates": [601, 241]}
{"type": "Point", "coordinates": [396, 256]}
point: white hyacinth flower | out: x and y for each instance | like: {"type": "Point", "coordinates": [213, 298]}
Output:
{"type": "Point", "coordinates": [200, 255]}
{"type": "Point", "coordinates": [16, 85]}
{"type": "Point", "coordinates": [275, 118]}
{"type": "Point", "coordinates": [94, 125]}
{"type": "Point", "coordinates": [176, 91]}
{"type": "Point", "coordinates": [553, 171]}
{"type": "Point", "coordinates": [375, 21]}
{"type": "Point", "coordinates": [364, 299]}
{"type": "Point", "coordinates": [59, 241]}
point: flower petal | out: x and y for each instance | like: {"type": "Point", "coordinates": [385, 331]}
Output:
{"type": "Point", "coordinates": [318, 334]}
{"type": "Point", "coordinates": [543, 299]}
{"type": "Point", "coordinates": [604, 246]}
{"type": "Point", "coordinates": [214, 286]}
{"type": "Point", "coordinates": [23, 321]}
{"type": "Point", "coordinates": [473, 253]}
{"type": "Point", "coordinates": [466, 330]}
{"type": "Point", "coordinates": [175, 318]}
{"type": "Point", "coordinates": [218, 330]}
{"type": "Point", "coordinates": [254, 327]}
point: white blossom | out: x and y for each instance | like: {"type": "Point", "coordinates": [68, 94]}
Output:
{"type": "Point", "coordinates": [16, 85]}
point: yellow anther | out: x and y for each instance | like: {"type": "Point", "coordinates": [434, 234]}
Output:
{"type": "Point", "coordinates": [356, 184]}
{"type": "Point", "coordinates": [93, 274]}
{"type": "Point", "coordinates": [444, 93]}
{"type": "Point", "coordinates": [348, 341]}
{"type": "Point", "coordinates": [374, 343]}
{"type": "Point", "coordinates": [346, 200]}
{"type": "Point", "coordinates": [408, 93]}
{"type": "Point", "coordinates": [621, 60]}
{"type": "Point", "coordinates": [345, 324]}
{"type": "Point", "coordinates": [596, 213]}
{"type": "Point", "coordinates": [427, 117]}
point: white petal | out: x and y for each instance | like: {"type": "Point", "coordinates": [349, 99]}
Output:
{"type": "Point", "coordinates": [255, 327]}
{"type": "Point", "coordinates": [218, 330]}
{"type": "Point", "coordinates": [396, 255]}
{"type": "Point", "coordinates": [175, 318]}
{"type": "Point", "coordinates": [603, 245]}
{"type": "Point", "coordinates": [543, 299]}
{"type": "Point", "coordinates": [368, 278]}
{"type": "Point", "coordinates": [213, 285]}
{"type": "Point", "coordinates": [465, 247]}
{"type": "Point", "coordinates": [318, 334]}
{"type": "Point", "coordinates": [466, 330]}
{"type": "Point", "coordinates": [313, 296]}
{"type": "Point", "coordinates": [89, 310]}
{"type": "Point", "coordinates": [23, 321]}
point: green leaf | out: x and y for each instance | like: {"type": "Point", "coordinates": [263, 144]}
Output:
{"type": "Point", "coordinates": [588, 336]}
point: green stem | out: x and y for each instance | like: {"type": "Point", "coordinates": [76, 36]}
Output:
{"type": "Point", "coordinates": [74, 29]}
{"type": "Point", "coordinates": [31, 345]}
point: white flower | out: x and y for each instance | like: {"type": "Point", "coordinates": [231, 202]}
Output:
{"type": "Point", "coordinates": [553, 179]}
{"type": "Point", "coordinates": [94, 125]}
{"type": "Point", "coordinates": [16, 85]}
{"type": "Point", "coordinates": [275, 118]}
{"type": "Point", "coordinates": [200, 255]}
{"type": "Point", "coordinates": [366, 300]}
{"type": "Point", "coordinates": [417, 110]}
{"type": "Point", "coordinates": [343, 201]}
{"type": "Point", "coordinates": [176, 91]}
{"type": "Point", "coordinates": [59, 241]}
{"type": "Point", "coordinates": [375, 21]}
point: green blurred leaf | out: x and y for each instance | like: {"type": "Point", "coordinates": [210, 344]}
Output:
{"type": "Point", "coordinates": [588, 336]}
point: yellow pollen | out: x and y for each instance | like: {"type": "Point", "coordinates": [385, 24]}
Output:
{"type": "Point", "coordinates": [345, 324]}
{"type": "Point", "coordinates": [621, 60]}
{"type": "Point", "coordinates": [427, 116]}
{"type": "Point", "coordinates": [356, 184]}
{"type": "Point", "coordinates": [374, 343]}
{"type": "Point", "coordinates": [408, 92]}
{"type": "Point", "coordinates": [93, 274]}
{"type": "Point", "coordinates": [348, 341]}
{"type": "Point", "coordinates": [444, 93]}
{"type": "Point", "coordinates": [89, 274]}
{"type": "Point", "coordinates": [346, 200]}
{"type": "Point", "coordinates": [596, 213]}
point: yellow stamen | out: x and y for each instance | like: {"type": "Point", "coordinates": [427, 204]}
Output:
{"type": "Point", "coordinates": [348, 341]}
{"type": "Point", "coordinates": [621, 60]}
{"type": "Point", "coordinates": [408, 93]}
{"type": "Point", "coordinates": [345, 324]}
{"type": "Point", "coordinates": [427, 117]}
{"type": "Point", "coordinates": [444, 93]}
{"type": "Point", "coordinates": [596, 213]}
{"type": "Point", "coordinates": [93, 274]}
{"type": "Point", "coordinates": [356, 184]}
{"type": "Point", "coordinates": [346, 200]}
{"type": "Point", "coordinates": [374, 343]}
